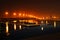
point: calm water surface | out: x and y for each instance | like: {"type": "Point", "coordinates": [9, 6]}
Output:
{"type": "Point", "coordinates": [18, 32]}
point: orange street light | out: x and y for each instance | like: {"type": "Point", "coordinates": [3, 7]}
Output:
{"type": "Point", "coordinates": [23, 14]}
{"type": "Point", "coordinates": [19, 14]}
{"type": "Point", "coordinates": [40, 18]}
{"type": "Point", "coordinates": [54, 17]}
{"type": "Point", "coordinates": [14, 14]}
{"type": "Point", "coordinates": [30, 15]}
{"type": "Point", "coordinates": [6, 13]}
{"type": "Point", "coordinates": [47, 17]}
{"type": "Point", "coordinates": [43, 18]}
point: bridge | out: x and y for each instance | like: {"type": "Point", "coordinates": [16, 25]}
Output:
{"type": "Point", "coordinates": [25, 21]}
{"type": "Point", "coordinates": [26, 18]}
{"type": "Point", "coordinates": [20, 23]}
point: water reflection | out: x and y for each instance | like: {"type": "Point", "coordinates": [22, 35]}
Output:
{"type": "Point", "coordinates": [14, 26]}
{"type": "Point", "coordinates": [7, 28]}
{"type": "Point", "coordinates": [54, 23]}
{"type": "Point", "coordinates": [42, 22]}
{"type": "Point", "coordinates": [42, 28]}
{"type": "Point", "coordinates": [20, 27]}
{"type": "Point", "coordinates": [46, 22]}
{"type": "Point", "coordinates": [24, 27]}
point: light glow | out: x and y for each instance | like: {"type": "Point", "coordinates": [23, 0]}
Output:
{"type": "Point", "coordinates": [14, 26]}
{"type": "Point", "coordinates": [19, 14]}
{"type": "Point", "coordinates": [15, 21]}
{"type": "Point", "coordinates": [42, 22]}
{"type": "Point", "coordinates": [7, 27]}
{"type": "Point", "coordinates": [54, 23]}
{"type": "Point", "coordinates": [42, 28]}
{"type": "Point", "coordinates": [54, 17]}
{"type": "Point", "coordinates": [14, 14]}
{"type": "Point", "coordinates": [20, 27]}
{"type": "Point", "coordinates": [6, 13]}
{"type": "Point", "coordinates": [46, 22]}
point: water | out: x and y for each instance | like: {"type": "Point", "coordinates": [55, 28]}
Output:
{"type": "Point", "coordinates": [16, 31]}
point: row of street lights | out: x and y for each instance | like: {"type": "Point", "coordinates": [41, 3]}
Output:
{"type": "Point", "coordinates": [21, 15]}
{"type": "Point", "coordinates": [25, 15]}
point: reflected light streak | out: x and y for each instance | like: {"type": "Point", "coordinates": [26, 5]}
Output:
{"type": "Point", "coordinates": [36, 22]}
{"type": "Point", "coordinates": [20, 27]}
{"type": "Point", "coordinates": [14, 26]}
{"type": "Point", "coordinates": [23, 14]}
{"type": "Point", "coordinates": [7, 29]}
{"type": "Point", "coordinates": [46, 22]}
{"type": "Point", "coordinates": [54, 23]}
{"type": "Point", "coordinates": [42, 28]}
{"type": "Point", "coordinates": [42, 22]}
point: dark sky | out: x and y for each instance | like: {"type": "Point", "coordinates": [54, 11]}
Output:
{"type": "Point", "coordinates": [40, 7]}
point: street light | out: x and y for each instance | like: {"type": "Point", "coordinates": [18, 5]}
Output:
{"type": "Point", "coordinates": [19, 14]}
{"type": "Point", "coordinates": [6, 13]}
{"type": "Point", "coordinates": [54, 17]}
{"type": "Point", "coordinates": [23, 14]}
{"type": "Point", "coordinates": [14, 14]}
{"type": "Point", "coordinates": [43, 18]}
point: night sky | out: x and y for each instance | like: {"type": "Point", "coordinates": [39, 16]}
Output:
{"type": "Point", "coordinates": [38, 7]}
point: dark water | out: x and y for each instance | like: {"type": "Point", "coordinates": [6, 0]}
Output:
{"type": "Point", "coordinates": [28, 32]}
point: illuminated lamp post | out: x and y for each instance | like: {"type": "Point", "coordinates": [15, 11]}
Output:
{"type": "Point", "coordinates": [6, 13]}
{"type": "Point", "coordinates": [14, 15]}
{"type": "Point", "coordinates": [19, 15]}
{"type": "Point", "coordinates": [23, 15]}
{"type": "Point", "coordinates": [43, 18]}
